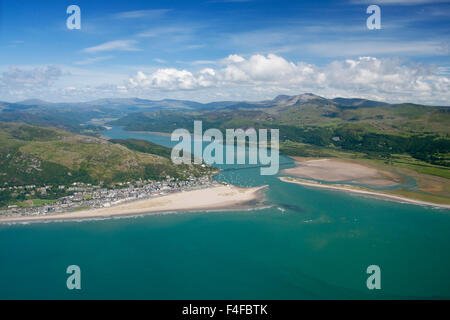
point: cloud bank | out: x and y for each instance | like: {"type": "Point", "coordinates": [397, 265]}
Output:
{"type": "Point", "coordinates": [17, 78]}
{"type": "Point", "coordinates": [237, 77]}
{"type": "Point", "coordinates": [388, 79]}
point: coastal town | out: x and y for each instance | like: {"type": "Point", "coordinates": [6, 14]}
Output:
{"type": "Point", "coordinates": [83, 196]}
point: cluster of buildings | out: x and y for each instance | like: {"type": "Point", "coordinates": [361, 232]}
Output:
{"type": "Point", "coordinates": [86, 196]}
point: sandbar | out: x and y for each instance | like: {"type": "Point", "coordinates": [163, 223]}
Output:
{"type": "Point", "coordinates": [362, 191]}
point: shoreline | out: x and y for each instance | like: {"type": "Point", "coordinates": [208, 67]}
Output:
{"type": "Point", "coordinates": [348, 188]}
{"type": "Point", "coordinates": [216, 198]}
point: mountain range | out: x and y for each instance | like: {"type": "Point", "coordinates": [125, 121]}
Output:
{"type": "Point", "coordinates": [348, 123]}
{"type": "Point", "coordinates": [172, 104]}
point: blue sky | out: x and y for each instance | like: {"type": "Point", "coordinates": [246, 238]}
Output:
{"type": "Point", "coordinates": [213, 50]}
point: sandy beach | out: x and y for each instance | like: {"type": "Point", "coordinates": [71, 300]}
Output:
{"type": "Point", "coordinates": [347, 188]}
{"type": "Point", "coordinates": [215, 198]}
{"type": "Point", "coordinates": [339, 170]}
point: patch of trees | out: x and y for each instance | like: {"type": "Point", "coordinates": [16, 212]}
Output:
{"type": "Point", "coordinates": [144, 146]}
{"type": "Point", "coordinates": [425, 148]}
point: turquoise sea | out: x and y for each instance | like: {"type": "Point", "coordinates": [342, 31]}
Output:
{"type": "Point", "coordinates": [309, 244]}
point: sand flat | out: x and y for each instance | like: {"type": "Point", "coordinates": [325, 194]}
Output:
{"type": "Point", "coordinates": [339, 170]}
{"type": "Point", "coordinates": [214, 198]}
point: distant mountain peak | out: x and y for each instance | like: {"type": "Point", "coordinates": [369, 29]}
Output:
{"type": "Point", "coordinates": [293, 100]}
{"type": "Point", "coordinates": [33, 102]}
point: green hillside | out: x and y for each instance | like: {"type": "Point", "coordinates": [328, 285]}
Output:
{"type": "Point", "coordinates": [40, 156]}
{"type": "Point", "coordinates": [144, 146]}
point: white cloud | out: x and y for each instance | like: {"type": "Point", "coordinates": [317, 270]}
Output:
{"type": "Point", "coordinates": [93, 60]}
{"type": "Point", "coordinates": [163, 31]}
{"type": "Point", "coordinates": [234, 70]}
{"type": "Point", "coordinates": [384, 79]}
{"type": "Point", "coordinates": [19, 78]}
{"type": "Point", "coordinates": [237, 77]}
{"type": "Point", "coordinates": [141, 14]}
{"type": "Point", "coordinates": [167, 79]}
{"type": "Point", "coordinates": [199, 62]}
{"type": "Point", "coordinates": [117, 45]}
